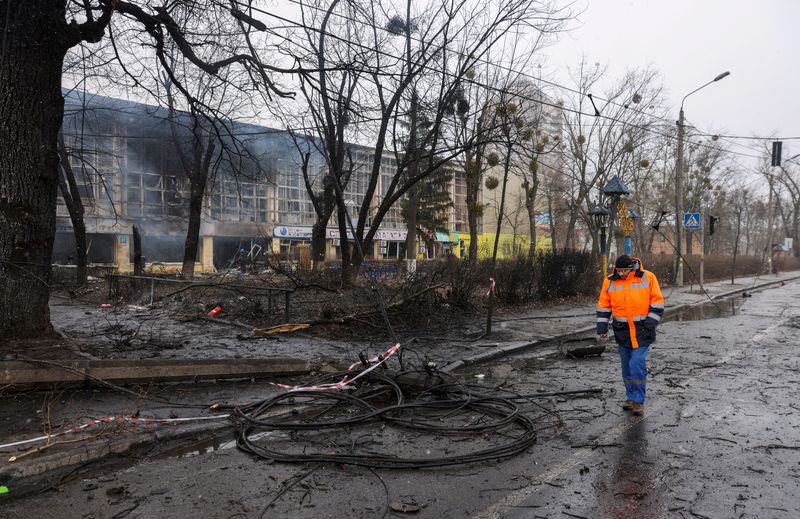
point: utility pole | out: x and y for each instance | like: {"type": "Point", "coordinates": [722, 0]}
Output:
{"type": "Point", "coordinates": [769, 226]}
{"type": "Point", "coordinates": [702, 249]}
{"type": "Point", "coordinates": [679, 202]}
{"type": "Point", "coordinates": [775, 163]}
{"type": "Point", "coordinates": [679, 184]}
{"type": "Point", "coordinates": [413, 198]}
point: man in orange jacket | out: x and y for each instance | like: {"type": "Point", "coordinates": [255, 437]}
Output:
{"type": "Point", "coordinates": [631, 301]}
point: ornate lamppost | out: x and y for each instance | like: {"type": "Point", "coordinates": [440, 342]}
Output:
{"type": "Point", "coordinates": [615, 192]}
{"type": "Point", "coordinates": [603, 214]}
{"type": "Point", "coordinates": [628, 224]}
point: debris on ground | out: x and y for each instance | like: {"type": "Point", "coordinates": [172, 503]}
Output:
{"type": "Point", "coordinates": [281, 328]}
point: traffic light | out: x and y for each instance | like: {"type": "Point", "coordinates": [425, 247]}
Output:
{"type": "Point", "coordinates": [711, 221]}
{"type": "Point", "coordinates": [776, 153]}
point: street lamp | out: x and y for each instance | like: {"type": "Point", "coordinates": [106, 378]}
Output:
{"type": "Point", "coordinates": [679, 184]}
{"type": "Point", "coordinates": [603, 214]}
{"type": "Point", "coordinates": [616, 191]}
{"type": "Point", "coordinates": [599, 215]}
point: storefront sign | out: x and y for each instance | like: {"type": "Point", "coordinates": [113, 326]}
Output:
{"type": "Point", "coordinates": [333, 234]}
{"type": "Point", "coordinates": [381, 234]}
{"type": "Point", "coordinates": [292, 231]}
{"type": "Point", "coordinates": [300, 232]}
{"type": "Point", "coordinates": [391, 235]}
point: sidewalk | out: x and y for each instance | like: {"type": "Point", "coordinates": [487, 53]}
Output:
{"type": "Point", "coordinates": [547, 326]}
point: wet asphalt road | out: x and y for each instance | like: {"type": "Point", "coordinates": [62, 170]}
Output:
{"type": "Point", "coordinates": [720, 438]}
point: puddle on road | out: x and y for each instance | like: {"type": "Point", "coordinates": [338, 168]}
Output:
{"type": "Point", "coordinates": [715, 310]}
{"type": "Point", "coordinates": [211, 444]}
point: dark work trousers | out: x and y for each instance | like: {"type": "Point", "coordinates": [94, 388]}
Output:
{"type": "Point", "coordinates": [634, 371]}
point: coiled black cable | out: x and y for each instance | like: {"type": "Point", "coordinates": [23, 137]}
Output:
{"type": "Point", "coordinates": [380, 401]}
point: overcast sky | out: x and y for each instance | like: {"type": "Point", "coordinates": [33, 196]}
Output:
{"type": "Point", "coordinates": [690, 42]}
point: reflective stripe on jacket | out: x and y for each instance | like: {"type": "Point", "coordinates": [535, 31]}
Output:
{"type": "Point", "coordinates": [634, 306]}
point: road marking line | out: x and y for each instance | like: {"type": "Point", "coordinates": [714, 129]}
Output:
{"type": "Point", "coordinates": [518, 496]}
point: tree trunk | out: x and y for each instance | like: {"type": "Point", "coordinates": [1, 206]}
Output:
{"type": "Point", "coordinates": [472, 222]}
{"type": "Point", "coordinates": [552, 221]}
{"type": "Point", "coordinates": [202, 154]}
{"type": "Point", "coordinates": [532, 247]}
{"type": "Point", "coordinates": [736, 248]}
{"type": "Point", "coordinates": [323, 207]}
{"type": "Point", "coordinates": [72, 199]}
{"type": "Point", "coordinates": [796, 232]}
{"type": "Point", "coordinates": [318, 242]}
{"type": "Point", "coordinates": [192, 241]}
{"type": "Point", "coordinates": [569, 239]}
{"type": "Point", "coordinates": [530, 205]}
{"type": "Point", "coordinates": [138, 268]}
{"type": "Point", "coordinates": [31, 111]}
{"type": "Point", "coordinates": [348, 268]}
{"type": "Point", "coordinates": [473, 181]}
{"type": "Point", "coordinates": [490, 304]}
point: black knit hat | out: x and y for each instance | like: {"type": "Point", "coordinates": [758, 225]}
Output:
{"type": "Point", "coordinates": [624, 262]}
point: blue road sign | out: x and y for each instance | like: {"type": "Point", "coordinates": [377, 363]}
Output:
{"type": "Point", "coordinates": [692, 221]}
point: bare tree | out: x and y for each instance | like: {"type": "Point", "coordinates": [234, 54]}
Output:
{"type": "Point", "coordinates": [324, 120]}
{"type": "Point", "coordinates": [602, 135]}
{"type": "Point", "coordinates": [390, 63]}
{"type": "Point", "coordinates": [205, 141]}
{"type": "Point", "coordinates": [788, 178]}
{"type": "Point", "coordinates": [707, 168]}
{"type": "Point", "coordinates": [538, 151]}
{"type": "Point", "coordinates": [740, 199]}
{"type": "Point", "coordinates": [32, 111]}
{"type": "Point", "coordinates": [68, 187]}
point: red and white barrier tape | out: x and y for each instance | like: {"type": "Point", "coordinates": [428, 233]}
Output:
{"type": "Point", "coordinates": [114, 420]}
{"type": "Point", "coordinates": [346, 381]}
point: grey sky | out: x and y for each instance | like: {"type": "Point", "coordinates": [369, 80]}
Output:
{"type": "Point", "coordinates": [690, 42]}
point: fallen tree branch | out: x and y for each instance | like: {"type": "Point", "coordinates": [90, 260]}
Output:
{"type": "Point", "coordinates": [356, 317]}
{"type": "Point", "coordinates": [403, 301]}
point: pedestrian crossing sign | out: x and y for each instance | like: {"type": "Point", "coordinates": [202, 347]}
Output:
{"type": "Point", "coordinates": [692, 221]}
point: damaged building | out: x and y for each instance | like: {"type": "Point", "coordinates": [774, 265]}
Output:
{"type": "Point", "coordinates": [127, 167]}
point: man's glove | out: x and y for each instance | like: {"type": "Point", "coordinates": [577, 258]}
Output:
{"type": "Point", "coordinates": [601, 338]}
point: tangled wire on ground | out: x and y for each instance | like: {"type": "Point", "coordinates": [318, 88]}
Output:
{"type": "Point", "coordinates": [446, 409]}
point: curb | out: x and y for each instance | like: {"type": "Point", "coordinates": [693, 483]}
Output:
{"type": "Point", "coordinates": [25, 476]}
{"type": "Point", "coordinates": [27, 374]}
{"type": "Point", "coordinates": [516, 348]}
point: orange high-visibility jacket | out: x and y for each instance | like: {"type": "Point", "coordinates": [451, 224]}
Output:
{"type": "Point", "coordinates": [634, 306]}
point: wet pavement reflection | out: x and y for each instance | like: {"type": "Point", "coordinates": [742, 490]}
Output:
{"type": "Point", "coordinates": [710, 310]}
{"type": "Point", "coordinates": [632, 489]}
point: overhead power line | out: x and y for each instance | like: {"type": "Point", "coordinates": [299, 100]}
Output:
{"type": "Point", "coordinates": [625, 106]}
{"type": "Point", "coordinates": [647, 128]}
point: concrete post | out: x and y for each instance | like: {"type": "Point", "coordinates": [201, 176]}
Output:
{"type": "Point", "coordinates": [207, 254]}
{"type": "Point", "coordinates": [679, 203]}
